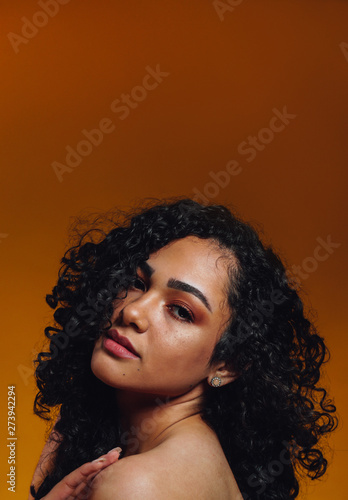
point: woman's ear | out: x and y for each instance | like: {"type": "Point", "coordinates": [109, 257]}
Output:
{"type": "Point", "coordinates": [220, 375]}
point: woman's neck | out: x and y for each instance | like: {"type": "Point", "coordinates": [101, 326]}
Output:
{"type": "Point", "coordinates": [148, 419]}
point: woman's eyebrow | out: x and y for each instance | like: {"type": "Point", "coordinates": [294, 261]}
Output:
{"type": "Point", "coordinates": [147, 269]}
{"type": "Point", "coordinates": [178, 285]}
{"type": "Point", "coordinates": [185, 287]}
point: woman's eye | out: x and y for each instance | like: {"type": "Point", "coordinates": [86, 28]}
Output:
{"type": "Point", "coordinates": [181, 313]}
{"type": "Point", "coordinates": [139, 284]}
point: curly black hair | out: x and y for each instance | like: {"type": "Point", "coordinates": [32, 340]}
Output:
{"type": "Point", "coordinates": [269, 421]}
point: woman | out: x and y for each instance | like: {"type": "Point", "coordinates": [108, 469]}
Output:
{"type": "Point", "coordinates": [180, 338]}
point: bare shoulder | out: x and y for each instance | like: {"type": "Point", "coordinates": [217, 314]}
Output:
{"type": "Point", "coordinates": [129, 478]}
{"type": "Point", "coordinates": [189, 464]}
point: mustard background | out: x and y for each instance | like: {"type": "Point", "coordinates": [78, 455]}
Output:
{"type": "Point", "coordinates": [227, 72]}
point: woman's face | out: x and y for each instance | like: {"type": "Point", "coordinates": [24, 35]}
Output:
{"type": "Point", "coordinates": [173, 316]}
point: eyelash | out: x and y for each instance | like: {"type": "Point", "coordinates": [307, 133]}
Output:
{"type": "Point", "coordinates": [138, 279]}
{"type": "Point", "coordinates": [189, 317]}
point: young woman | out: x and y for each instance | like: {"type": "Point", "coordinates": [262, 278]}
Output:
{"type": "Point", "coordinates": [179, 338]}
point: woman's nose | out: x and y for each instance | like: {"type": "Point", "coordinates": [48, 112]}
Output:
{"type": "Point", "coordinates": [134, 314]}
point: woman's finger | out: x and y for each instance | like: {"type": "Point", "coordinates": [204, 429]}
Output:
{"type": "Point", "coordinates": [75, 483]}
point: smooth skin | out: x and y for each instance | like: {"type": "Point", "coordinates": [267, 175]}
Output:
{"type": "Point", "coordinates": [170, 452]}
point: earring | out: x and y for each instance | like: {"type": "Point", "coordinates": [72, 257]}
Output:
{"type": "Point", "coordinates": [215, 382]}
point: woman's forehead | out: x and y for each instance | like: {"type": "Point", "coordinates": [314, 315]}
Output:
{"type": "Point", "coordinates": [196, 261]}
{"type": "Point", "coordinates": [193, 250]}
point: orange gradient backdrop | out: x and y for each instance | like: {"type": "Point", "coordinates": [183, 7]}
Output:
{"type": "Point", "coordinates": [227, 73]}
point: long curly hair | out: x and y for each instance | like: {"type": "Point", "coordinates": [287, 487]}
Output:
{"type": "Point", "coordinates": [269, 421]}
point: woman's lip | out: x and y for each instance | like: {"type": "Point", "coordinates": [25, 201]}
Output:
{"type": "Point", "coordinates": [117, 349]}
{"type": "Point", "coordinates": [121, 340]}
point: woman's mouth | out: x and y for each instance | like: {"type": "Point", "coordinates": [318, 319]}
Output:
{"type": "Point", "coordinates": [118, 345]}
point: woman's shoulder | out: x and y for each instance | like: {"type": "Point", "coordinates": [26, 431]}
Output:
{"type": "Point", "coordinates": [188, 464]}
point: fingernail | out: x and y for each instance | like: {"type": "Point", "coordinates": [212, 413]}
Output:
{"type": "Point", "coordinates": [102, 459]}
{"type": "Point", "coordinates": [116, 449]}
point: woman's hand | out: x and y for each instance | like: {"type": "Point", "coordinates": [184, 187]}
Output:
{"type": "Point", "coordinates": [77, 484]}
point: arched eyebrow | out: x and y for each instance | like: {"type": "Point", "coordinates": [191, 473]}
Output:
{"type": "Point", "coordinates": [185, 287]}
{"type": "Point", "coordinates": [178, 285]}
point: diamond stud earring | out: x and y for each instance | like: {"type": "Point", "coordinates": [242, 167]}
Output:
{"type": "Point", "coordinates": [215, 382]}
